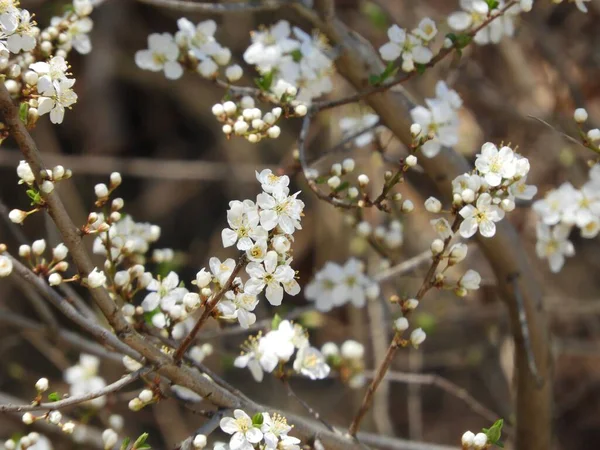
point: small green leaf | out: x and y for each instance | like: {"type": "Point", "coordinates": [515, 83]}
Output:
{"type": "Point", "coordinates": [389, 71]}
{"type": "Point", "coordinates": [23, 110]}
{"type": "Point", "coordinates": [374, 80]}
{"type": "Point", "coordinates": [276, 321]}
{"type": "Point", "coordinates": [494, 432]}
{"type": "Point", "coordinates": [140, 442]}
{"type": "Point", "coordinates": [421, 68]}
{"type": "Point", "coordinates": [34, 195]}
{"type": "Point", "coordinates": [264, 82]}
{"type": "Point", "coordinates": [125, 443]}
{"type": "Point", "coordinates": [296, 55]}
{"type": "Point", "coordinates": [492, 4]}
{"type": "Point", "coordinates": [53, 397]}
{"type": "Point", "coordinates": [257, 419]}
{"type": "Point", "coordinates": [342, 187]}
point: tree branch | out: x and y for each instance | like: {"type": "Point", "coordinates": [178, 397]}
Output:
{"type": "Point", "coordinates": [219, 8]}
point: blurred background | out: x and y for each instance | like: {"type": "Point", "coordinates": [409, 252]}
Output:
{"type": "Point", "coordinates": [180, 172]}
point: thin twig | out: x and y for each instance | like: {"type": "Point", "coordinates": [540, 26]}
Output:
{"type": "Point", "coordinates": [306, 406]}
{"type": "Point", "coordinates": [404, 267]}
{"type": "Point", "coordinates": [219, 8]}
{"type": "Point", "coordinates": [206, 429]}
{"type": "Point", "coordinates": [70, 401]}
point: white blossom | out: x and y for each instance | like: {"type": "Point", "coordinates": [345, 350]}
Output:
{"type": "Point", "coordinates": [311, 363]}
{"type": "Point", "coordinates": [496, 165]}
{"type": "Point", "coordinates": [161, 55]}
{"type": "Point", "coordinates": [243, 432]}
{"type": "Point", "coordinates": [553, 245]}
{"type": "Point", "coordinates": [352, 125]}
{"type": "Point", "coordinates": [83, 379]}
{"type": "Point", "coordinates": [274, 277]}
{"type": "Point", "coordinates": [481, 217]}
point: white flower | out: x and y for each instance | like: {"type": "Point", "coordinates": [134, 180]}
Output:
{"type": "Point", "coordinates": [199, 38]}
{"type": "Point", "coordinates": [162, 54]}
{"type": "Point", "coordinates": [221, 270]}
{"type": "Point", "coordinates": [109, 438]}
{"type": "Point", "coordinates": [408, 46]}
{"type": "Point", "coordinates": [165, 293]}
{"type": "Point", "coordinates": [258, 357]}
{"type": "Point", "coordinates": [268, 274]}
{"type": "Point", "coordinates": [352, 285]}
{"type": "Point", "coordinates": [203, 278]}
{"type": "Point", "coordinates": [475, 12]}
{"type": "Point", "coordinates": [83, 378]}
{"type": "Point", "coordinates": [442, 228]}
{"type": "Point", "coordinates": [439, 121]}
{"type": "Point", "coordinates": [433, 205]}
{"type": "Point", "coordinates": [258, 251]}
{"type": "Point", "coordinates": [96, 278]}
{"type": "Point", "coordinates": [321, 287]}
{"type": "Point", "coordinates": [470, 280]}
{"type": "Point", "coordinates": [269, 45]}
{"type": "Point", "coordinates": [56, 101]}
{"type": "Point", "coordinates": [480, 440]}
{"type": "Point", "coordinates": [352, 125]}
{"type": "Point", "coordinates": [25, 173]}
{"type": "Point", "coordinates": [551, 208]}
{"type": "Point", "coordinates": [273, 429]}
{"type": "Point", "coordinates": [417, 337]}
{"type": "Point", "coordinates": [520, 189]}
{"type": "Point", "coordinates": [48, 72]}
{"type": "Point", "coordinates": [495, 164]}
{"type": "Point", "coordinates": [243, 432]}
{"type": "Point", "coordinates": [481, 217]}
{"type": "Point", "coordinates": [426, 29]}
{"type": "Point", "coordinates": [279, 209]}
{"type": "Point", "coordinates": [553, 245]}
{"type": "Point", "coordinates": [583, 206]}
{"type": "Point", "coordinates": [244, 221]}
{"type": "Point", "coordinates": [467, 439]}
{"type": "Point", "coordinates": [352, 349]}
{"type": "Point", "coordinates": [239, 306]}
{"type": "Point", "coordinates": [310, 362]}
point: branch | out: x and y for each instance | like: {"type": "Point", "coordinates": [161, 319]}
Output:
{"type": "Point", "coordinates": [219, 8]}
{"type": "Point", "coordinates": [113, 387]}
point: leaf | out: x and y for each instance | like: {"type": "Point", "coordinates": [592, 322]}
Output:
{"type": "Point", "coordinates": [34, 195]}
{"type": "Point", "coordinates": [342, 187]}
{"type": "Point", "coordinates": [460, 41]}
{"type": "Point", "coordinates": [125, 443]}
{"type": "Point", "coordinates": [257, 419]}
{"type": "Point", "coordinates": [390, 70]}
{"type": "Point", "coordinates": [492, 4]}
{"type": "Point", "coordinates": [140, 442]}
{"type": "Point", "coordinates": [421, 68]}
{"type": "Point", "coordinates": [23, 110]}
{"type": "Point", "coordinates": [296, 55]}
{"type": "Point", "coordinates": [53, 397]}
{"type": "Point", "coordinates": [276, 321]}
{"type": "Point", "coordinates": [494, 432]}
{"type": "Point", "coordinates": [265, 82]}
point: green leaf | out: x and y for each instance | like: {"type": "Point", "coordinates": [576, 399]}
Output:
{"type": "Point", "coordinates": [23, 110]}
{"type": "Point", "coordinates": [276, 321]}
{"type": "Point", "coordinates": [257, 419]}
{"type": "Point", "coordinates": [34, 195]}
{"type": "Point", "coordinates": [390, 70]}
{"type": "Point", "coordinates": [342, 187]}
{"type": "Point", "coordinates": [140, 443]}
{"type": "Point", "coordinates": [296, 55]}
{"type": "Point", "coordinates": [494, 432]}
{"type": "Point", "coordinates": [125, 443]}
{"type": "Point", "coordinates": [264, 82]}
{"type": "Point", "coordinates": [53, 397]}
{"type": "Point", "coordinates": [421, 68]}
{"type": "Point", "coordinates": [492, 4]}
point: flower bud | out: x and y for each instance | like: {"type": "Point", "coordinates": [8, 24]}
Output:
{"type": "Point", "coordinates": [42, 385]}
{"type": "Point", "coordinates": [458, 252]}
{"type": "Point", "coordinates": [96, 278]}
{"type": "Point", "coordinates": [415, 129]}
{"type": "Point", "coordinates": [508, 204]}
{"type": "Point", "coordinates": [594, 135]}
{"type": "Point", "coordinates": [28, 418]}
{"type": "Point", "coordinates": [17, 216]}
{"type": "Point", "coordinates": [54, 417]}
{"type": "Point", "coordinates": [330, 349]}
{"type": "Point", "coordinates": [109, 438]}
{"type": "Point", "coordinates": [199, 441]}
{"type": "Point", "coordinates": [363, 180]}
{"type": "Point", "coordinates": [417, 337]}
{"type": "Point", "coordinates": [353, 192]}
{"type": "Point", "coordinates": [58, 173]}
{"type": "Point", "coordinates": [580, 115]}
{"type": "Point", "coordinates": [146, 396]}
{"type": "Point", "coordinates": [433, 205]}
{"type": "Point", "coordinates": [230, 108]}
{"type": "Point", "coordinates": [334, 182]}
{"type": "Point", "coordinates": [68, 428]}
{"type": "Point", "coordinates": [352, 350]}
{"type": "Point", "coordinates": [301, 110]}
{"type": "Point", "coordinates": [115, 179]}
{"type": "Point", "coordinates": [467, 439]}
{"type": "Point", "coordinates": [101, 190]}
{"type": "Point", "coordinates": [55, 279]}
{"type": "Point", "coordinates": [437, 247]}
{"type": "Point", "coordinates": [203, 278]}
{"type": "Point", "coordinates": [411, 304]}
{"type": "Point", "coordinates": [234, 73]}
{"type": "Point", "coordinates": [47, 186]}
{"type": "Point", "coordinates": [411, 160]}
{"type": "Point", "coordinates": [364, 229]}
{"type": "Point", "coordinates": [60, 252]}
{"type": "Point", "coordinates": [135, 404]}
{"type": "Point", "coordinates": [38, 247]}
{"type": "Point", "coordinates": [273, 132]}
{"type": "Point", "coordinates": [480, 440]}
{"type": "Point", "coordinates": [24, 251]}
{"type": "Point", "coordinates": [401, 324]}
{"type": "Point", "coordinates": [281, 244]}
{"type": "Point", "coordinates": [407, 206]}
{"type": "Point", "coordinates": [191, 300]}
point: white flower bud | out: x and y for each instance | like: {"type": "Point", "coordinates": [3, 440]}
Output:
{"type": "Point", "coordinates": [364, 229]}
{"type": "Point", "coordinates": [101, 190]}
{"type": "Point", "coordinates": [240, 127]}
{"type": "Point", "coordinates": [334, 182]}
{"type": "Point", "coordinates": [467, 439]}
{"type": "Point", "coordinates": [277, 112]}
{"type": "Point", "coordinates": [223, 56]}
{"type": "Point", "coordinates": [55, 279]}
{"type": "Point", "coordinates": [301, 110]}
{"type": "Point", "coordinates": [417, 337]}
{"type": "Point", "coordinates": [353, 192]}
{"type": "Point", "coordinates": [28, 418]}
{"type": "Point", "coordinates": [47, 186]}
{"type": "Point", "coordinates": [12, 86]}
{"type": "Point", "coordinates": [234, 73]}
{"type": "Point", "coordinates": [415, 129]}
{"type": "Point", "coordinates": [227, 129]}
{"type": "Point", "coordinates": [352, 350]}
{"type": "Point", "coordinates": [247, 102]}
{"type": "Point", "coordinates": [115, 216]}
{"type": "Point", "coordinates": [253, 138]}
{"type": "Point", "coordinates": [60, 252]}
{"type": "Point", "coordinates": [336, 169]}
{"type": "Point", "coordinates": [42, 385]}
{"type": "Point", "coordinates": [24, 251]}
{"type": "Point", "coordinates": [580, 115]}
{"type": "Point", "coordinates": [38, 247]}
{"type": "Point", "coordinates": [203, 278]}
{"type": "Point", "coordinates": [191, 300]}
{"type": "Point", "coordinates": [30, 77]}
{"type": "Point", "coordinates": [109, 438]}
{"type": "Point", "coordinates": [25, 442]}
{"type": "Point", "coordinates": [159, 320]}
{"type": "Point", "coordinates": [292, 91]}
{"type": "Point", "coordinates": [363, 180]}
{"type": "Point", "coordinates": [348, 165]}
{"type": "Point", "coordinates": [122, 278]}
{"type": "Point", "coordinates": [407, 206]}
{"type": "Point", "coordinates": [55, 417]}
{"type": "Point", "coordinates": [206, 292]}
{"type": "Point", "coordinates": [135, 404]}
{"type": "Point", "coordinates": [372, 291]}
{"type": "Point", "coordinates": [437, 247]}
{"type": "Point", "coordinates": [467, 196]}
{"type": "Point", "coordinates": [25, 173]}
{"type": "Point", "coordinates": [115, 179]}
{"type": "Point", "coordinates": [433, 205]}
{"type": "Point", "coordinates": [401, 324]}
{"type": "Point", "coordinates": [68, 428]}
{"type": "Point", "coordinates": [411, 304]}
{"type": "Point", "coordinates": [128, 310]}
{"type": "Point", "coordinates": [17, 216]}
{"type": "Point", "coordinates": [458, 252]}
{"type": "Point", "coordinates": [96, 278]}
{"type": "Point", "coordinates": [408, 65]}
{"type": "Point", "coordinates": [470, 280]}
{"type": "Point", "coordinates": [330, 349]}
{"type": "Point", "coordinates": [274, 132]}
{"type": "Point", "coordinates": [146, 396]}
{"type": "Point", "coordinates": [526, 5]}
{"type": "Point", "coordinates": [10, 444]}
{"type": "Point", "coordinates": [411, 160]}
{"type": "Point", "coordinates": [116, 422]}
{"type": "Point", "coordinates": [480, 441]}
{"type": "Point", "coordinates": [199, 441]}
{"type": "Point", "coordinates": [594, 135]}
{"type": "Point", "coordinates": [281, 244]}
{"type": "Point", "coordinates": [508, 204]}
{"type": "Point", "coordinates": [230, 108]}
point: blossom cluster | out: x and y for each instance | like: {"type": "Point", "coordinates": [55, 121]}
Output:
{"type": "Point", "coordinates": [413, 47]}
{"type": "Point", "coordinates": [263, 353]}
{"type": "Point", "coordinates": [472, 441]}
{"type": "Point", "coordinates": [286, 53]}
{"type": "Point", "coordinates": [348, 361]}
{"type": "Point", "coordinates": [560, 211]}
{"type": "Point", "coordinates": [193, 47]}
{"type": "Point", "coordinates": [17, 32]}
{"type": "Point", "coordinates": [83, 378]}
{"type": "Point", "coordinates": [335, 285]}
{"type": "Point", "coordinates": [52, 268]}
{"type": "Point", "coordinates": [263, 430]}
{"type": "Point", "coordinates": [438, 122]}
{"type": "Point", "coordinates": [30, 441]}
{"type": "Point", "coordinates": [352, 125]}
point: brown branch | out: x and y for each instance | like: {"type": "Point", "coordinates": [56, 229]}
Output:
{"type": "Point", "coordinates": [70, 401]}
{"type": "Point", "coordinates": [208, 309]}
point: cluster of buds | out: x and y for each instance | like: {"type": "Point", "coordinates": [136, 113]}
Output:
{"type": "Point", "coordinates": [391, 236]}
{"type": "Point", "coordinates": [53, 268]}
{"type": "Point", "coordinates": [52, 417]}
{"type": "Point", "coordinates": [24, 442]}
{"type": "Point", "coordinates": [103, 193]}
{"type": "Point", "coordinates": [129, 282]}
{"type": "Point", "coordinates": [348, 360]}
{"type": "Point", "coordinates": [471, 441]}
{"type": "Point", "coordinates": [144, 398]}
{"type": "Point", "coordinates": [591, 138]}
{"type": "Point", "coordinates": [69, 31]}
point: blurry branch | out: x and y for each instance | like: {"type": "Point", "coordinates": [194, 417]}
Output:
{"type": "Point", "coordinates": [88, 436]}
{"type": "Point", "coordinates": [68, 337]}
{"type": "Point", "coordinates": [404, 267]}
{"type": "Point", "coordinates": [219, 8]}
{"type": "Point", "coordinates": [164, 169]}
{"type": "Point", "coordinates": [70, 401]}
{"type": "Point", "coordinates": [306, 406]}
{"type": "Point", "coordinates": [356, 62]}
{"type": "Point", "coordinates": [553, 128]}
